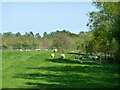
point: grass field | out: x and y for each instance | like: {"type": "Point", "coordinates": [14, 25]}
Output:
{"type": "Point", "coordinates": [36, 69]}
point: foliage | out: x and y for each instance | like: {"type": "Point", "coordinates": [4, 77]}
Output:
{"type": "Point", "coordinates": [105, 25]}
{"type": "Point", "coordinates": [4, 46]}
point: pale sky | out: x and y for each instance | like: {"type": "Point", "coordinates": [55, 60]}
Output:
{"type": "Point", "coordinates": [40, 17]}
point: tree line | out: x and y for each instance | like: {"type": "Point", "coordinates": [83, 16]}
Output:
{"type": "Point", "coordinates": [63, 40]}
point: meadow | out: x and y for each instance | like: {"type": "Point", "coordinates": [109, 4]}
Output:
{"type": "Point", "coordinates": [36, 69]}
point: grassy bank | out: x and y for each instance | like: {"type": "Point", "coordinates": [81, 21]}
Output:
{"type": "Point", "coordinates": [34, 69]}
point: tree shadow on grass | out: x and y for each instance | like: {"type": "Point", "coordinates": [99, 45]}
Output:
{"type": "Point", "coordinates": [41, 85]}
{"type": "Point", "coordinates": [75, 53]}
{"type": "Point", "coordinates": [62, 81]}
{"type": "Point", "coordinates": [84, 55]}
{"type": "Point", "coordinates": [68, 61]}
{"type": "Point", "coordinates": [68, 77]}
{"type": "Point", "coordinates": [65, 81]}
{"type": "Point", "coordinates": [79, 69]}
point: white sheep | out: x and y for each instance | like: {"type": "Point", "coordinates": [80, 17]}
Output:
{"type": "Point", "coordinates": [20, 49]}
{"type": "Point", "coordinates": [37, 49]}
{"type": "Point", "coordinates": [61, 56]}
{"type": "Point", "coordinates": [95, 57]}
{"type": "Point", "coordinates": [80, 57]}
{"type": "Point", "coordinates": [73, 51]}
{"type": "Point", "coordinates": [90, 57]}
{"type": "Point", "coordinates": [55, 50]}
{"type": "Point", "coordinates": [52, 55]}
{"type": "Point", "coordinates": [46, 49]}
{"type": "Point", "coordinates": [76, 56]}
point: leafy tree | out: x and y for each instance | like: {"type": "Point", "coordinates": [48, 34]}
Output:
{"type": "Point", "coordinates": [27, 34]}
{"type": "Point", "coordinates": [26, 44]}
{"type": "Point", "coordinates": [4, 45]}
{"type": "Point", "coordinates": [19, 45]}
{"type": "Point", "coordinates": [105, 24]}
{"type": "Point", "coordinates": [37, 35]}
{"type": "Point", "coordinates": [34, 45]}
{"type": "Point", "coordinates": [31, 34]}
{"type": "Point", "coordinates": [8, 34]}
{"type": "Point", "coordinates": [45, 34]}
{"type": "Point", "coordinates": [18, 34]}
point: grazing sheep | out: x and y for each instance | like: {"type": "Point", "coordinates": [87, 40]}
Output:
{"type": "Point", "coordinates": [76, 56]}
{"type": "Point", "coordinates": [52, 55]}
{"type": "Point", "coordinates": [20, 49]}
{"type": "Point", "coordinates": [61, 56]}
{"type": "Point", "coordinates": [80, 57]}
{"type": "Point", "coordinates": [90, 57]}
{"type": "Point", "coordinates": [95, 57]}
{"type": "Point", "coordinates": [37, 49]}
{"type": "Point", "coordinates": [55, 50]}
{"type": "Point", "coordinates": [80, 52]}
{"type": "Point", "coordinates": [46, 49]}
{"type": "Point", "coordinates": [73, 51]}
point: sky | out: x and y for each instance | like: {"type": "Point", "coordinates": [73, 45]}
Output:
{"type": "Point", "coordinates": [40, 17]}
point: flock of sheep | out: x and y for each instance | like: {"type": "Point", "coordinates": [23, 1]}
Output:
{"type": "Point", "coordinates": [62, 56]}
{"type": "Point", "coordinates": [76, 56]}
{"type": "Point", "coordinates": [29, 50]}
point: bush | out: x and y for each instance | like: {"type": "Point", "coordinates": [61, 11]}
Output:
{"type": "Point", "coordinates": [4, 46]}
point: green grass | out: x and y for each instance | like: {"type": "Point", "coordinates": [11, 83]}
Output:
{"type": "Point", "coordinates": [36, 69]}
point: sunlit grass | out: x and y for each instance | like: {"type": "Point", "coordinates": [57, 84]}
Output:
{"type": "Point", "coordinates": [36, 69]}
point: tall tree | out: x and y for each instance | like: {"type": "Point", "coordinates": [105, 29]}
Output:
{"type": "Point", "coordinates": [105, 24]}
{"type": "Point", "coordinates": [18, 34]}
{"type": "Point", "coordinates": [37, 35]}
{"type": "Point", "coordinates": [45, 34]}
{"type": "Point", "coordinates": [31, 34]}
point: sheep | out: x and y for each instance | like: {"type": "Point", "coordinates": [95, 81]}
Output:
{"type": "Point", "coordinates": [61, 56]}
{"type": "Point", "coordinates": [95, 57]}
{"type": "Point", "coordinates": [52, 55]}
{"type": "Point", "coordinates": [73, 51]}
{"type": "Point", "coordinates": [20, 49]}
{"type": "Point", "coordinates": [79, 51]}
{"type": "Point", "coordinates": [55, 50]}
{"type": "Point", "coordinates": [46, 49]}
{"type": "Point", "coordinates": [90, 57]}
{"type": "Point", "coordinates": [37, 49]}
{"type": "Point", "coordinates": [80, 57]}
{"type": "Point", "coordinates": [76, 56]}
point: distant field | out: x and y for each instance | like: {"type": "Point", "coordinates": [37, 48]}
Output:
{"type": "Point", "coordinates": [36, 69]}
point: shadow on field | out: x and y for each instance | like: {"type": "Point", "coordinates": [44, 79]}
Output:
{"type": "Point", "coordinates": [84, 55]}
{"type": "Point", "coordinates": [72, 61]}
{"type": "Point", "coordinates": [79, 69]}
{"type": "Point", "coordinates": [68, 77]}
{"type": "Point", "coordinates": [75, 53]}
